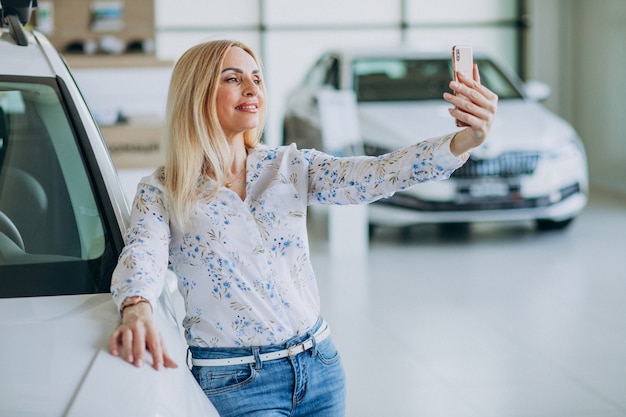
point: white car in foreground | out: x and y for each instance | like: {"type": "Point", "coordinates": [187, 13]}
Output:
{"type": "Point", "coordinates": [62, 214]}
{"type": "Point", "coordinates": [533, 167]}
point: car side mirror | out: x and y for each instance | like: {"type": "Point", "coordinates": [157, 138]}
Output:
{"type": "Point", "coordinates": [537, 90]}
{"type": "Point", "coordinates": [14, 14]}
{"type": "Point", "coordinates": [20, 8]}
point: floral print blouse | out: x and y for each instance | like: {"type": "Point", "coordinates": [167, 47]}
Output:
{"type": "Point", "coordinates": [243, 267]}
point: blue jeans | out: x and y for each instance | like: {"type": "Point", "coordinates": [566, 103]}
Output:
{"type": "Point", "coordinates": [309, 384]}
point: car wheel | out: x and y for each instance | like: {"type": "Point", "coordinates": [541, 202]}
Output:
{"type": "Point", "coordinates": [454, 229]}
{"type": "Point", "coordinates": [303, 134]}
{"type": "Point", "coordinates": [548, 224]}
{"type": "Point", "coordinates": [371, 229]}
{"type": "Point", "coordinates": [286, 139]}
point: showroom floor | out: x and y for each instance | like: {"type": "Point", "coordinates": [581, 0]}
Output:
{"type": "Point", "coordinates": [499, 322]}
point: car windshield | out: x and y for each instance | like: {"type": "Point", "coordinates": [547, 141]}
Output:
{"type": "Point", "coordinates": [52, 238]}
{"type": "Point", "coordinates": [401, 79]}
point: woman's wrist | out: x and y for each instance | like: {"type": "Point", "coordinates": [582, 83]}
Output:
{"type": "Point", "coordinates": [462, 142]}
{"type": "Point", "coordinates": [457, 145]}
{"type": "Point", "coordinates": [135, 303]}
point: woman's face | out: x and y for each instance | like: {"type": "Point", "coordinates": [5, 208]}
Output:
{"type": "Point", "coordinates": [240, 99]}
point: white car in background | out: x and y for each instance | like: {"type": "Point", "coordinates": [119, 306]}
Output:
{"type": "Point", "coordinates": [62, 215]}
{"type": "Point", "coordinates": [533, 166]}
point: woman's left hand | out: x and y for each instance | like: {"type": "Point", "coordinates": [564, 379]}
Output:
{"type": "Point", "coordinates": [475, 106]}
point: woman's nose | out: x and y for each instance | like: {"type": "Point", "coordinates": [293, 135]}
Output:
{"type": "Point", "coordinates": [250, 88]}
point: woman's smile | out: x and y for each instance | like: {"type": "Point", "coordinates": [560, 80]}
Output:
{"type": "Point", "coordinates": [251, 108]}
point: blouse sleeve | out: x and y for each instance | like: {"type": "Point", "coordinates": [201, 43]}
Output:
{"type": "Point", "coordinates": [143, 262]}
{"type": "Point", "coordinates": [364, 179]}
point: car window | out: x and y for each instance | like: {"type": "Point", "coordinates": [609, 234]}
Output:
{"type": "Point", "coordinates": [493, 77]}
{"type": "Point", "coordinates": [324, 73]}
{"type": "Point", "coordinates": [400, 79]}
{"type": "Point", "coordinates": [52, 238]}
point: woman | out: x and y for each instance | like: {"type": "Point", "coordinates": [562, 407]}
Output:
{"type": "Point", "coordinates": [230, 217]}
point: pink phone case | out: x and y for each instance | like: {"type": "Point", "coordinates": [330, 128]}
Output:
{"type": "Point", "coordinates": [462, 61]}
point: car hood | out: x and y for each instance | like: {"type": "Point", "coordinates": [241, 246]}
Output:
{"type": "Point", "coordinates": [519, 125]}
{"type": "Point", "coordinates": [55, 362]}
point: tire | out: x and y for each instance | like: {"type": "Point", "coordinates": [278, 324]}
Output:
{"type": "Point", "coordinates": [303, 134]}
{"type": "Point", "coordinates": [549, 224]}
{"type": "Point", "coordinates": [286, 137]}
{"type": "Point", "coordinates": [454, 229]}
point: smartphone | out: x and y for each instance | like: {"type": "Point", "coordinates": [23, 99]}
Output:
{"type": "Point", "coordinates": [462, 61]}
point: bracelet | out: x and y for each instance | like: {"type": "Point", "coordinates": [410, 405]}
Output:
{"type": "Point", "coordinates": [132, 301]}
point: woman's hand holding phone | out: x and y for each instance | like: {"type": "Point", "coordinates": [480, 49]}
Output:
{"type": "Point", "coordinates": [474, 107]}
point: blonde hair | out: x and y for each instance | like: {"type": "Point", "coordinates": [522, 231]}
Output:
{"type": "Point", "coordinates": [196, 143]}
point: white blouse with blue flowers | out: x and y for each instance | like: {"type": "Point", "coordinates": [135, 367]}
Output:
{"type": "Point", "coordinates": [244, 268]}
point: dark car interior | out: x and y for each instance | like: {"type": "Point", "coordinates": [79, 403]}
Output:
{"type": "Point", "coordinates": [46, 247]}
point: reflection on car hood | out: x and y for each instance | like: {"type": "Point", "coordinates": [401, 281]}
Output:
{"type": "Point", "coordinates": [519, 125]}
{"type": "Point", "coordinates": [55, 362]}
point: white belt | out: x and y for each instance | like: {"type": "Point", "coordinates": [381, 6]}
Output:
{"type": "Point", "coordinates": [290, 352]}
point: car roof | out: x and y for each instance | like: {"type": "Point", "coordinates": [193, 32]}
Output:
{"type": "Point", "coordinates": [409, 51]}
{"type": "Point", "coordinates": [29, 60]}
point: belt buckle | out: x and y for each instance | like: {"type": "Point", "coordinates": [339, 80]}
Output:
{"type": "Point", "coordinates": [290, 350]}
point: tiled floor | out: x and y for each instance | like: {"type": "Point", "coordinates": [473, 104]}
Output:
{"type": "Point", "coordinates": [502, 322]}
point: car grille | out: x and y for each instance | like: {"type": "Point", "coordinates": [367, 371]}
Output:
{"type": "Point", "coordinates": [511, 202]}
{"type": "Point", "coordinates": [511, 164]}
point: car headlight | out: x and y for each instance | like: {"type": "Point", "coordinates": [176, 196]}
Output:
{"type": "Point", "coordinates": [561, 140]}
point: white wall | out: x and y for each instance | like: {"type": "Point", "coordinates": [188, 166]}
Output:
{"type": "Point", "coordinates": [579, 48]}
{"type": "Point", "coordinates": [297, 32]}
{"type": "Point", "coordinates": [599, 107]}
{"type": "Point", "coordinates": [140, 92]}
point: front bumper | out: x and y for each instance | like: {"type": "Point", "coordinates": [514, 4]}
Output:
{"type": "Point", "coordinates": [511, 200]}
{"type": "Point", "coordinates": [403, 209]}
